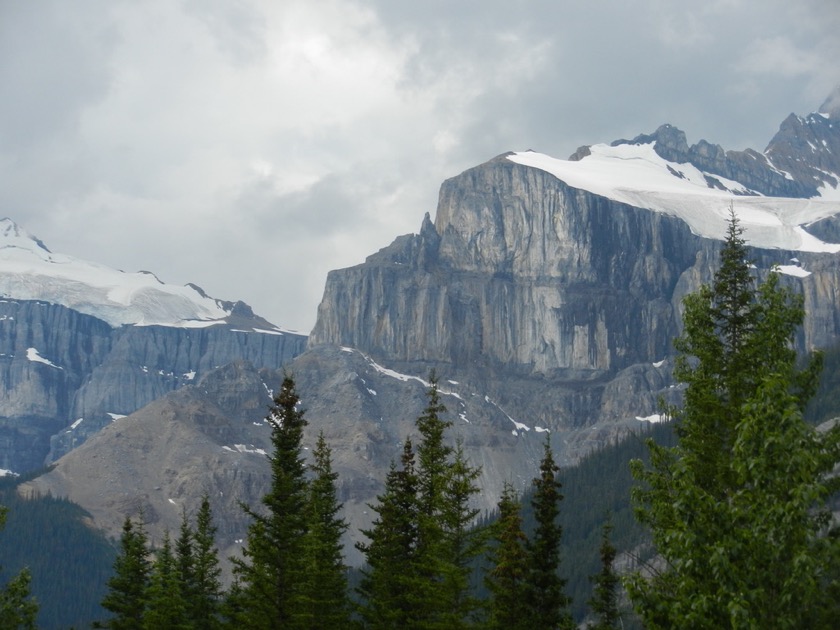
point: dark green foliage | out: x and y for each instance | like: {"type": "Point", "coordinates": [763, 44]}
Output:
{"type": "Point", "coordinates": [507, 578]}
{"type": "Point", "coordinates": [270, 572]}
{"type": "Point", "coordinates": [68, 561]}
{"type": "Point", "coordinates": [17, 607]}
{"type": "Point", "coordinates": [422, 545]}
{"type": "Point", "coordinates": [324, 601]}
{"type": "Point", "coordinates": [127, 594]}
{"type": "Point", "coordinates": [547, 602]}
{"type": "Point", "coordinates": [204, 592]}
{"type": "Point", "coordinates": [736, 508]}
{"type": "Point", "coordinates": [389, 580]}
{"type": "Point", "coordinates": [604, 601]}
{"type": "Point", "coordinates": [166, 607]}
{"type": "Point", "coordinates": [464, 542]}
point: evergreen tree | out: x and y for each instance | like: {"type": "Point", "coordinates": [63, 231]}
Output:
{"type": "Point", "coordinates": [184, 559]}
{"type": "Point", "coordinates": [126, 597]}
{"type": "Point", "coordinates": [324, 598]}
{"type": "Point", "coordinates": [604, 601]}
{"type": "Point", "coordinates": [165, 605]}
{"type": "Point", "coordinates": [465, 541]}
{"type": "Point", "coordinates": [206, 592]}
{"type": "Point", "coordinates": [422, 545]}
{"type": "Point", "coordinates": [17, 608]}
{"type": "Point", "coordinates": [270, 571]}
{"type": "Point", "coordinates": [737, 507]}
{"type": "Point", "coordinates": [547, 603]}
{"type": "Point", "coordinates": [433, 469]}
{"type": "Point", "coordinates": [507, 579]}
{"type": "Point", "coordinates": [390, 579]}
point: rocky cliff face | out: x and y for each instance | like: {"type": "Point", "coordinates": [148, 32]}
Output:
{"type": "Point", "coordinates": [547, 309]}
{"type": "Point", "coordinates": [64, 375]}
{"type": "Point", "coordinates": [523, 273]}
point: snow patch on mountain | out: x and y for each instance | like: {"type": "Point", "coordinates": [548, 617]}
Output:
{"type": "Point", "coordinates": [636, 175]}
{"type": "Point", "coordinates": [33, 355]}
{"type": "Point", "coordinates": [30, 271]}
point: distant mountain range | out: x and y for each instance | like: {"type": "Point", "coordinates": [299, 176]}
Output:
{"type": "Point", "coordinates": [546, 294]}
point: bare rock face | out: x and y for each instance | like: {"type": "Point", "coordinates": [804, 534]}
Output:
{"type": "Point", "coordinates": [523, 274]}
{"type": "Point", "coordinates": [548, 312]}
{"type": "Point", "coordinates": [64, 375]}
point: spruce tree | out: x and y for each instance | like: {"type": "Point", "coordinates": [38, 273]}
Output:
{"type": "Point", "coordinates": [166, 608]}
{"type": "Point", "coordinates": [270, 571]}
{"type": "Point", "coordinates": [325, 604]}
{"type": "Point", "coordinates": [206, 593]}
{"type": "Point", "coordinates": [127, 589]}
{"type": "Point", "coordinates": [507, 578]}
{"type": "Point", "coordinates": [184, 559]}
{"type": "Point", "coordinates": [390, 578]}
{"type": "Point", "coordinates": [604, 601]}
{"type": "Point", "coordinates": [737, 507]}
{"type": "Point", "coordinates": [547, 602]}
{"type": "Point", "coordinates": [465, 541]}
{"type": "Point", "coordinates": [434, 553]}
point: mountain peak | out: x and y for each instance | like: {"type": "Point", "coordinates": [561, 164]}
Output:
{"type": "Point", "coordinates": [30, 271]}
{"type": "Point", "coordinates": [12, 235]}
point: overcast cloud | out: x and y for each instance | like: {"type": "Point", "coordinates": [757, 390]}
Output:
{"type": "Point", "coordinates": [250, 146]}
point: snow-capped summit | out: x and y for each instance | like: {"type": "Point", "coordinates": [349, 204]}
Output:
{"type": "Point", "coordinates": [30, 271]}
{"type": "Point", "coordinates": [637, 175]}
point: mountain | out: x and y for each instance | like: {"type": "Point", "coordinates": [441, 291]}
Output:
{"type": "Point", "coordinates": [82, 344]}
{"type": "Point", "coordinates": [546, 294]}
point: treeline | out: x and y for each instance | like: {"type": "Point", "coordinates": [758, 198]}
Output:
{"type": "Point", "coordinates": [421, 554]}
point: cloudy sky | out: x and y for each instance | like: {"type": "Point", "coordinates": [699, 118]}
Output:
{"type": "Point", "coordinates": [249, 146]}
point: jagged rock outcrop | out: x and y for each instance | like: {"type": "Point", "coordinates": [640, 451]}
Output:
{"type": "Point", "coordinates": [523, 273]}
{"type": "Point", "coordinates": [64, 375]}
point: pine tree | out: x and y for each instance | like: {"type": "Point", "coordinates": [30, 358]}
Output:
{"type": "Point", "coordinates": [324, 590]}
{"type": "Point", "coordinates": [507, 579]}
{"type": "Point", "coordinates": [547, 603]}
{"type": "Point", "coordinates": [165, 605]}
{"type": "Point", "coordinates": [127, 589]}
{"type": "Point", "coordinates": [270, 571]}
{"type": "Point", "coordinates": [736, 509]}
{"type": "Point", "coordinates": [206, 593]}
{"type": "Point", "coordinates": [17, 608]}
{"type": "Point", "coordinates": [604, 601]}
{"type": "Point", "coordinates": [389, 586]}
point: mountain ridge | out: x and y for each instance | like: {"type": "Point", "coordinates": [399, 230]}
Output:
{"type": "Point", "coordinates": [546, 307]}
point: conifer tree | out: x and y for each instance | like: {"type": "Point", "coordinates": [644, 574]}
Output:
{"type": "Point", "coordinates": [547, 602]}
{"type": "Point", "coordinates": [736, 509]}
{"type": "Point", "coordinates": [184, 559]}
{"type": "Point", "coordinates": [389, 585]}
{"type": "Point", "coordinates": [507, 579]}
{"type": "Point", "coordinates": [206, 592]}
{"type": "Point", "coordinates": [127, 589]}
{"type": "Point", "coordinates": [165, 605]}
{"type": "Point", "coordinates": [325, 604]}
{"type": "Point", "coordinates": [604, 601]}
{"type": "Point", "coordinates": [434, 476]}
{"type": "Point", "coordinates": [465, 541]}
{"type": "Point", "coordinates": [269, 573]}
